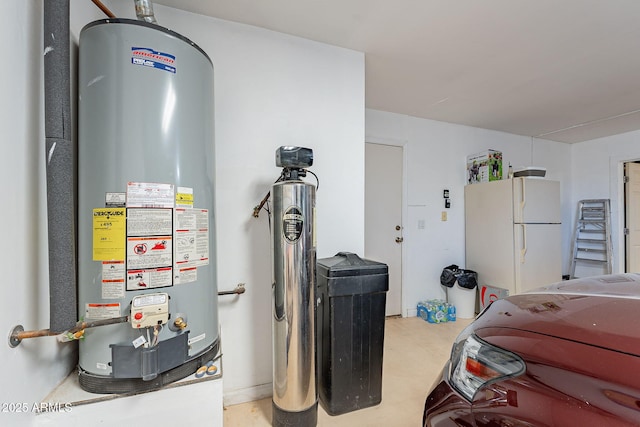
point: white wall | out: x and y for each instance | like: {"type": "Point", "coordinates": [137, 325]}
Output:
{"type": "Point", "coordinates": [271, 89]}
{"type": "Point", "coordinates": [31, 370]}
{"type": "Point", "coordinates": [597, 174]}
{"type": "Point", "coordinates": [435, 154]}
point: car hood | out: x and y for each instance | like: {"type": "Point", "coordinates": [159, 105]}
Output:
{"type": "Point", "coordinates": [599, 311]}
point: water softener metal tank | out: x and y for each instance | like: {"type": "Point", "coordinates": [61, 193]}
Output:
{"type": "Point", "coordinates": [146, 206]}
{"type": "Point", "coordinates": [294, 256]}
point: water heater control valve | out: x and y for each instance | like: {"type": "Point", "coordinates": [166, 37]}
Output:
{"type": "Point", "coordinates": [149, 310]}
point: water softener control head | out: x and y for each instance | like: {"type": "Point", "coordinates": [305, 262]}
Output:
{"type": "Point", "coordinates": [294, 157]}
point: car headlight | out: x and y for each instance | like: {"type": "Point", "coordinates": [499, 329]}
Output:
{"type": "Point", "coordinates": [475, 363]}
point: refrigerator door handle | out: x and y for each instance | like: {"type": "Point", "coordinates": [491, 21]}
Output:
{"type": "Point", "coordinates": [523, 198]}
{"type": "Point", "coordinates": [523, 248]}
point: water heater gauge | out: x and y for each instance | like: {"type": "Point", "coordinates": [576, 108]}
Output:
{"type": "Point", "coordinates": [149, 310]}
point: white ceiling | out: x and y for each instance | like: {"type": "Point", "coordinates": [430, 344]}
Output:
{"type": "Point", "coordinates": [564, 70]}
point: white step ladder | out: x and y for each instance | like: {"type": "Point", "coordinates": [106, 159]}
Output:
{"type": "Point", "coordinates": [592, 235]}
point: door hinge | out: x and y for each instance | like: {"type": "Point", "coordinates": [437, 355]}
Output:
{"type": "Point", "coordinates": [625, 179]}
{"type": "Point", "coordinates": [625, 231]}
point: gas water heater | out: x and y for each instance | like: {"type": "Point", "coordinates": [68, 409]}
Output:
{"type": "Point", "coordinates": [295, 398]}
{"type": "Point", "coordinates": [146, 248]}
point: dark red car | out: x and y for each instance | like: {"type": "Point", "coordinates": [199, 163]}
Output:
{"type": "Point", "coordinates": [564, 355]}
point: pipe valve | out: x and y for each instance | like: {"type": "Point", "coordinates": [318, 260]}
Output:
{"type": "Point", "coordinates": [180, 323]}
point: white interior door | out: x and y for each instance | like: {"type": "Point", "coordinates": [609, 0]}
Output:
{"type": "Point", "coordinates": [383, 216]}
{"type": "Point", "coordinates": [632, 216]}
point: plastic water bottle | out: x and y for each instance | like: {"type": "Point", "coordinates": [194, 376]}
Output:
{"type": "Point", "coordinates": [451, 313]}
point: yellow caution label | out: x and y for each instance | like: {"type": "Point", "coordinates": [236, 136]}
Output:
{"type": "Point", "coordinates": [184, 199]}
{"type": "Point", "coordinates": [109, 234]}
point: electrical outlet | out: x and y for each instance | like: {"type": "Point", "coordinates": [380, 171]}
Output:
{"type": "Point", "coordinates": [444, 216]}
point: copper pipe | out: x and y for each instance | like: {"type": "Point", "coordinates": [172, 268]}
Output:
{"type": "Point", "coordinates": [18, 333]}
{"type": "Point", "coordinates": [33, 334]}
{"type": "Point", "coordinates": [256, 210]}
{"type": "Point", "coordinates": [103, 8]}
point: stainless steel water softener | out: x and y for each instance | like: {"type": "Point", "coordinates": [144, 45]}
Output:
{"type": "Point", "coordinates": [295, 398]}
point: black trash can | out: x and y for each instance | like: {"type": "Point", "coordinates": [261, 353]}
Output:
{"type": "Point", "coordinates": [350, 331]}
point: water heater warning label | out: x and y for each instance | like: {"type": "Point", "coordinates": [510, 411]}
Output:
{"type": "Point", "coordinates": [113, 273]}
{"type": "Point", "coordinates": [191, 243]}
{"type": "Point", "coordinates": [149, 278]}
{"type": "Point", "coordinates": [149, 248]}
{"type": "Point", "coordinates": [149, 222]}
{"type": "Point", "coordinates": [102, 311]}
{"type": "Point", "coordinates": [184, 197]}
{"type": "Point", "coordinates": [150, 195]}
{"type": "Point", "coordinates": [149, 262]}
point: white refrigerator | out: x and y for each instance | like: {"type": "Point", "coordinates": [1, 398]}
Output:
{"type": "Point", "coordinates": [512, 233]}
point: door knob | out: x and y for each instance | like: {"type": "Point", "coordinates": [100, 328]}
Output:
{"type": "Point", "coordinates": [398, 228]}
{"type": "Point", "coordinates": [399, 239]}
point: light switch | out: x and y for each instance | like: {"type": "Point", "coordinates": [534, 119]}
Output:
{"type": "Point", "coordinates": [444, 216]}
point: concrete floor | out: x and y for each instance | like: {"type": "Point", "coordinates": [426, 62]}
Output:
{"type": "Point", "coordinates": [414, 353]}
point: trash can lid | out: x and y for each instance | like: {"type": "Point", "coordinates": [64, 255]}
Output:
{"type": "Point", "coordinates": [350, 264]}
